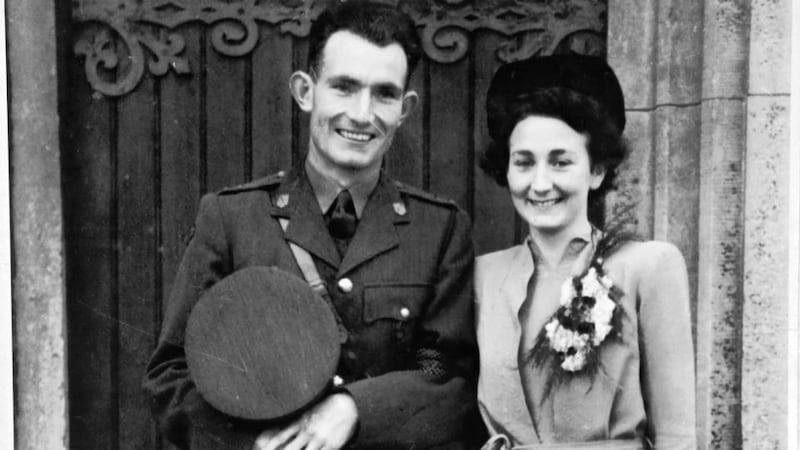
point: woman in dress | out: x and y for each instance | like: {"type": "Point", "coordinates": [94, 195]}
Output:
{"type": "Point", "coordinates": [584, 332]}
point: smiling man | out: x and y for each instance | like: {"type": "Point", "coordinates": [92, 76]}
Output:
{"type": "Point", "coordinates": [396, 261]}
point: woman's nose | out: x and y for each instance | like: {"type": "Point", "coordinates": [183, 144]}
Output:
{"type": "Point", "coordinates": [541, 182]}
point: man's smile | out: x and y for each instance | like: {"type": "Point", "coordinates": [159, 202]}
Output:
{"type": "Point", "coordinates": [354, 135]}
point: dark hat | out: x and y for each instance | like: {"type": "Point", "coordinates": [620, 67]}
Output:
{"type": "Point", "coordinates": [261, 344]}
{"type": "Point", "coordinates": [588, 75]}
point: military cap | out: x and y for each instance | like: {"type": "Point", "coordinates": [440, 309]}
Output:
{"type": "Point", "coordinates": [262, 345]}
{"type": "Point", "coordinates": [587, 75]}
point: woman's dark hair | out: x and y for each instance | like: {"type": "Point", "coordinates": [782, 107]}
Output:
{"type": "Point", "coordinates": [378, 23]}
{"type": "Point", "coordinates": [606, 147]}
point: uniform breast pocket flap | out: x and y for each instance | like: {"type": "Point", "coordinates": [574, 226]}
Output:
{"type": "Point", "coordinates": [398, 302]}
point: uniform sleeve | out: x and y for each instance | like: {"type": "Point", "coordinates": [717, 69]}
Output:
{"type": "Point", "coordinates": [667, 355]}
{"type": "Point", "coordinates": [182, 415]}
{"type": "Point", "coordinates": [432, 405]}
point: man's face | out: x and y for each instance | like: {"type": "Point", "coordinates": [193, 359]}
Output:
{"type": "Point", "coordinates": [357, 102]}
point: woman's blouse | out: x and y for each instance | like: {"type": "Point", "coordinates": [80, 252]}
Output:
{"type": "Point", "coordinates": [644, 389]}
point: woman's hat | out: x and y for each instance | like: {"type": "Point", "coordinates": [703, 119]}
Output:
{"type": "Point", "coordinates": [588, 75]}
{"type": "Point", "coordinates": [261, 344]}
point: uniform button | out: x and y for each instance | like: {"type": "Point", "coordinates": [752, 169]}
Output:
{"type": "Point", "coordinates": [404, 313]}
{"type": "Point", "coordinates": [337, 380]}
{"type": "Point", "coordinates": [351, 354]}
{"type": "Point", "coordinates": [345, 284]}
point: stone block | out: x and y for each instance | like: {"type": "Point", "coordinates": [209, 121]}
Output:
{"type": "Point", "coordinates": [720, 269]}
{"type": "Point", "coordinates": [631, 40]}
{"type": "Point", "coordinates": [678, 52]}
{"type": "Point", "coordinates": [765, 318]}
{"type": "Point", "coordinates": [635, 175]}
{"type": "Point", "coordinates": [770, 52]}
{"type": "Point", "coordinates": [725, 48]}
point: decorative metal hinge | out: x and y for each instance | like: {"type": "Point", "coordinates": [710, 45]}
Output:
{"type": "Point", "coordinates": [530, 27]}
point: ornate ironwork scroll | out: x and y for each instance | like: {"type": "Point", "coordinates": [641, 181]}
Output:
{"type": "Point", "coordinates": [530, 26]}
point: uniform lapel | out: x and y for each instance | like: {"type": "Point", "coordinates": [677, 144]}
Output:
{"type": "Point", "coordinates": [295, 201]}
{"type": "Point", "coordinates": [376, 231]}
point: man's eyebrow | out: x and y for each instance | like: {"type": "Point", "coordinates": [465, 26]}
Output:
{"type": "Point", "coordinates": [352, 81]}
{"type": "Point", "coordinates": [344, 79]}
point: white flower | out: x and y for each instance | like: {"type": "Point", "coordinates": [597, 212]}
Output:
{"type": "Point", "coordinates": [575, 361]}
{"type": "Point", "coordinates": [562, 339]}
{"type": "Point", "coordinates": [601, 316]}
{"type": "Point", "coordinates": [590, 284]}
{"type": "Point", "coordinates": [607, 282]}
{"type": "Point", "coordinates": [567, 292]}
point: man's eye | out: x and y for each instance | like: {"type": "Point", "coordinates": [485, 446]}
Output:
{"type": "Point", "coordinates": [388, 94]}
{"type": "Point", "coordinates": [345, 88]}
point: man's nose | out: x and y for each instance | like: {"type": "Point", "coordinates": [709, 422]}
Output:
{"type": "Point", "coordinates": [361, 110]}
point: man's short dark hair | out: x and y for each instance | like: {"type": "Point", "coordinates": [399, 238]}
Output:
{"type": "Point", "coordinates": [378, 23]}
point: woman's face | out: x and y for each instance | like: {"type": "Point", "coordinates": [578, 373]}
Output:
{"type": "Point", "coordinates": [550, 174]}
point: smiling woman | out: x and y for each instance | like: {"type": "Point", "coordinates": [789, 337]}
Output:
{"type": "Point", "coordinates": [594, 323]}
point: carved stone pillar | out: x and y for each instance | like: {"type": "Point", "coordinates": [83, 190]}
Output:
{"type": "Point", "coordinates": [707, 89]}
{"type": "Point", "coordinates": [40, 381]}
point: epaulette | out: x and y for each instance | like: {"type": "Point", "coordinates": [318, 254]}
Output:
{"type": "Point", "coordinates": [423, 195]}
{"type": "Point", "coordinates": [266, 182]}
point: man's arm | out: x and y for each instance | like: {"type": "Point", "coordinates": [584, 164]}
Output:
{"type": "Point", "coordinates": [182, 414]}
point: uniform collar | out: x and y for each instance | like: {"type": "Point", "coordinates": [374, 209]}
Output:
{"type": "Point", "coordinates": [294, 200]}
{"type": "Point", "coordinates": [326, 189]}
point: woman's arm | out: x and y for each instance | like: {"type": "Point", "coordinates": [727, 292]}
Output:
{"type": "Point", "coordinates": [666, 350]}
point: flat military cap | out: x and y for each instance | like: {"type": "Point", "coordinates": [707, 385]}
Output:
{"type": "Point", "coordinates": [588, 75]}
{"type": "Point", "coordinates": [262, 345]}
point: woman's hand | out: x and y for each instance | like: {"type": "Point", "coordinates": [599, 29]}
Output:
{"type": "Point", "coordinates": [328, 425]}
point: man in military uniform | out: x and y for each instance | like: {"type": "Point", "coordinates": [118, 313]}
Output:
{"type": "Point", "coordinates": [396, 261]}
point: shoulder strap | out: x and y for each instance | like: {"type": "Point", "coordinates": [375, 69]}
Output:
{"type": "Point", "coordinates": [310, 273]}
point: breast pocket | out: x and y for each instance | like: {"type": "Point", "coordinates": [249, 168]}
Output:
{"type": "Point", "coordinates": [395, 310]}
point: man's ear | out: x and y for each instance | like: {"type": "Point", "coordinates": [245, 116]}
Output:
{"type": "Point", "coordinates": [410, 100]}
{"type": "Point", "coordinates": [301, 84]}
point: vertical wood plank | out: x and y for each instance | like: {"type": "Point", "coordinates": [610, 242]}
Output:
{"type": "Point", "coordinates": [182, 171]}
{"type": "Point", "coordinates": [137, 185]}
{"type": "Point", "coordinates": [272, 103]}
{"type": "Point", "coordinates": [494, 215]}
{"type": "Point", "coordinates": [451, 146]}
{"type": "Point", "coordinates": [404, 160]}
{"type": "Point", "coordinates": [228, 146]}
{"type": "Point", "coordinates": [89, 202]}
{"type": "Point", "coordinates": [182, 165]}
{"type": "Point", "coordinates": [300, 119]}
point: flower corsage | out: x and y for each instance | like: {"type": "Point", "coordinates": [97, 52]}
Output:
{"type": "Point", "coordinates": [588, 316]}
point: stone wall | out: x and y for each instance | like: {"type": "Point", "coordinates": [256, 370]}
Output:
{"type": "Point", "coordinates": [707, 89]}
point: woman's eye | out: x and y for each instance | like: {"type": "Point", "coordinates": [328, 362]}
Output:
{"type": "Point", "coordinates": [561, 163]}
{"type": "Point", "coordinates": [523, 163]}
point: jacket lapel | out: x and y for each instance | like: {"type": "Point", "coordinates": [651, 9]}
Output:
{"type": "Point", "coordinates": [295, 201]}
{"type": "Point", "coordinates": [376, 231]}
{"type": "Point", "coordinates": [515, 284]}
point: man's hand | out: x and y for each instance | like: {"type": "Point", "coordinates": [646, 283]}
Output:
{"type": "Point", "coordinates": [328, 425]}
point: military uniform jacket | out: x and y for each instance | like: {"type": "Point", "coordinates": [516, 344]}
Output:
{"type": "Point", "coordinates": [410, 361]}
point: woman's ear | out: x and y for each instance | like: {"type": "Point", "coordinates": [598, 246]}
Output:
{"type": "Point", "coordinates": [598, 175]}
{"type": "Point", "coordinates": [301, 84]}
{"type": "Point", "coordinates": [410, 100]}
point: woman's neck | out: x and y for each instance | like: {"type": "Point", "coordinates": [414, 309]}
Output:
{"type": "Point", "coordinates": [553, 245]}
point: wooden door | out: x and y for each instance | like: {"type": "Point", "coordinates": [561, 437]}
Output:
{"type": "Point", "coordinates": [167, 100]}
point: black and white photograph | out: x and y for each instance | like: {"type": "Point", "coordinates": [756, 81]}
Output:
{"type": "Point", "coordinates": [400, 224]}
